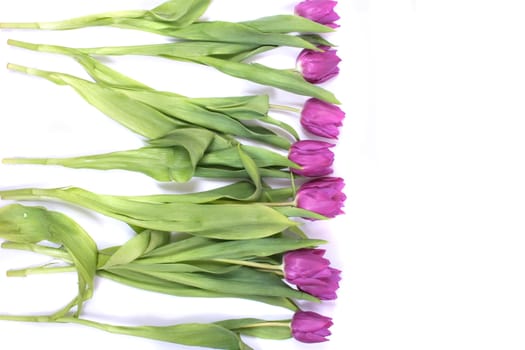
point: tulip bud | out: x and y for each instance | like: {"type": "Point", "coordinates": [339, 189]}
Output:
{"type": "Point", "coordinates": [310, 327]}
{"type": "Point", "coordinates": [318, 66]}
{"type": "Point", "coordinates": [314, 157]}
{"type": "Point", "coordinates": [323, 196]}
{"type": "Point", "coordinates": [321, 118]}
{"type": "Point", "coordinates": [320, 11]}
{"type": "Point", "coordinates": [311, 273]}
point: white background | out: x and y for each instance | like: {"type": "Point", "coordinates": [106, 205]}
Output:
{"type": "Point", "coordinates": [432, 151]}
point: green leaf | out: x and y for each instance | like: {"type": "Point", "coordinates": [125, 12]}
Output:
{"type": "Point", "coordinates": [101, 73]}
{"type": "Point", "coordinates": [134, 115]}
{"type": "Point", "coordinates": [183, 110]}
{"type": "Point", "coordinates": [222, 221]}
{"type": "Point", "coordinates": [253, 172]}
{"type": "Point", "coordinates": [180, 13]}
{"type": "Point", "coordinates": [278, 195]}
{"type": "Point", "coordinates": [238, 250]}
{"type": "Point", "coordinates": [180, 245]}
{"type": "Point", "coordinates": [239, 191]}
{"type": "Point", "coordinates": [277, 330]}
{"type": "Point", "coordinates": [162, 164]}
{"type": "Point", "coordinates": [282, 125]}
{"type": "Point", "coordinates": [158, 285]}
{"type": "Point", "coordinates": [230, 32]}
{"type": "Point", "coordinates": [298, 212]}
{"type": "Point", "coordinates": [193, 334]}
{"type": "Point", "coordinates": [261, 156]}
{"type": "Point", "coordinates": [242, 281]}
{"type": "Point", "coordinates": [242, 56]}
{"type": "Point", "coordinates": [284, 79]}
{"type": "Point", "coordinates": [207, 267]}
{"type": "Point", "coordinates": [34, 224]}
{"type": "Point", "coordinates": [238, 174]}
{"type": "Point", "coordinates": [240, 108]}
{"type": "Point", "coordinates": [184, 50]}
{"type": "Point", "coordinates": [287, 24]}
{"type": "Point", "coordinates": [287, 80]}
{"type": "Point", "coordinates": [317, 40]}
{"type": "Point", "coordinates": [136, 247]}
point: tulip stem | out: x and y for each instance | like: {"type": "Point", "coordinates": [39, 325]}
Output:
{"type": "Point", "coordinates": [269, 324]}
{"type": "Point", "coordinates": [36, 248]}
{"type": "Point", "coordinates": [40, 271]}
{"type": "Point", "coordinates": [285, 108]}
{"type": "Point", "coordinates": [275, 268]}
{"type": "Point", "coordinates": [25, 318]}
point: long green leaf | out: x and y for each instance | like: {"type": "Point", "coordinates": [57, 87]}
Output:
{"type": "Point", "coordinates": [180, 12]}
{"type": "Point", "coordinates": [222, 221]}
{"type": "Point", "coordinates": [287, 80]}
{"type": "Point", "coordinates": [136, 247]}
{"type": "Point", "coordinates": [182, 109]}
{"type": "Point", "coordinates": [134, 115]}
{"type": "Point", "coordinates": [238, 250]}
{"type": "Point", "coordinates": [277, 330]}
{"type": "Point", "coordinates": [242, 281]}
{"type": "Point", "coordinates": [230, 32]}
{"type": "Point", "coordinates": [262, 158]}
{"type": "Point", "coordinates": [154, 284]}
{"type": "Point", "coordinates": [192, 334]}
{"type": "Point", "coordinates": [34, 224]}
{"type": "Point", "coordinates": [287, 24]}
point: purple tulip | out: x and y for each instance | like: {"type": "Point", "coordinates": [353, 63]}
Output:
{"type": "Point", "coordinates": [323, 196]}
{"type": "Point", "coordinates": [321, 118]}
{"type": "Point", "coordinates": [320, 11]}
{"type": "Point", "coordinates": [314, 157]}
{"type": "Point", "coordinates": [318, 66]}
{"type": "Point", "coordinates": [310, 327]}
{"type": "Point", "coordinates": [311, 273]}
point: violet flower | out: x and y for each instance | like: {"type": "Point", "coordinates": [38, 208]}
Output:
{"type": "Point", "coordinates": [318, 66]}
{"type": "Point", "coordinates": [323, 196]}
{"type": "Point", "coordinates": [321, 118]}
{"type": "Point", "coordinates": [320, 11]}
{"type": "Point", "coordinates": [311, 273]}
{"type": "Point", "coordinates": [314, 157]}
{"type": "Point", "coordinates": [310, 327]}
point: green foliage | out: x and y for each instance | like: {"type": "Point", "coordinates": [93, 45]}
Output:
{"type": "Point", "coordinates": [222, 221]}
{"type": "Point", "coordinates": [24, 224]}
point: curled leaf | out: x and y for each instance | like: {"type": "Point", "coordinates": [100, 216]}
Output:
{"type": "Point", "coordinates": [24, 224]}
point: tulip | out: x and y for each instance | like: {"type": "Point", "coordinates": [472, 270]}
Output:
{"type": "Point", "coordinates": [321, 118]}
{"type": "Point", "coordinates": [318, 66]}
{"type": "Point", "coordinates": [310, 327]}
{"type": "Point", "coordinates": [320, 11]}
{"type": "Point", "coordinates": [311, 273]}
{"type": "Point", "coordinates": [323, 196]}
{"type": "Point", "coordinates": [314, 157]}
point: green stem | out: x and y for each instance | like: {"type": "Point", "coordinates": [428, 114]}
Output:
{"type": "Point", "coordinates": [93, 324]}
{"type": "Point", "coordinates": [285, 108]}
{"type": "Point", "coordinates": [274, 268]}
{"type": "Point", "coordinates": [40, 271]}
{"type": "Point", "coordinates": [14, 25]}
{"type": "Point", "coordinates": [36, 248]}
{"type": "Point", "coordinates": [26, 193]}
{"type": "Point", "coordinates": [63, 312]}
{"type": "Point", "coordinates": [79, 22]}
{"type": "Point", "coordinates": [41, 47]}
{"type": "Point", "coordinates": [26, 318]}
{"type": "Point", "coordinates": [43, 161]}
{"type": "Point", "coordinates": [269, 324]}
{"type": "Point", "coordinates": [51, 76]}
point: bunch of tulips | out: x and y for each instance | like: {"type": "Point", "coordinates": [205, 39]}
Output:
{"type": "Point", "coordinates": [241, 240]}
